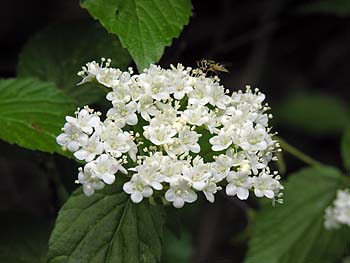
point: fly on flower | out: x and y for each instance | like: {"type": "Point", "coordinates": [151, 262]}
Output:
{"type": "Point", "coordinates": [159, 126]}
{"type": "Point", "coordinates": [210, 66]}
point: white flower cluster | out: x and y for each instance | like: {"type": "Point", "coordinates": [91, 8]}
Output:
{"type": "Point", "coordinates": [173, 132]}
{"type": "Point", "coordinates": [339, 213]}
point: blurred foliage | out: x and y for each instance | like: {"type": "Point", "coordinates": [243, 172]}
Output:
{"type": "Point", "coordinates": [313, 113]}
{"type": "Point", "coordinates": [338, 7]}
{"type": "Point", "coordinates": [177, 247]}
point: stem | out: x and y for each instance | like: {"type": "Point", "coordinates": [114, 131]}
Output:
{"type": "Point", "coordinates": [297, 153]}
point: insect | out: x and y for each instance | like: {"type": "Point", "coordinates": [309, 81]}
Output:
{"type": "Point", "coordinates": [207, 66]}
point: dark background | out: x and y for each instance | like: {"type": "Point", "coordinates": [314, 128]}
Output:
{"type": "Point", "coordinates": [272, 45]}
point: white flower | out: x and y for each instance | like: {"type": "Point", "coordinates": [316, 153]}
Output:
{"type": "Point", "coordinates": [212, 124]}
{"type": "Point", "coordinates": [180, 81]}
{"type": "Point", "coordinates": [108, 77]}
{"type": "Point", "coordinates": [211, 187]}
{"type": "Point", "coordinates": [175, 148]}
{"type": "Point", "coordinates": [170, 168]}
{"type": "Point", "coordinates": [330, 221]}
{"type": "Point", "coordinates": [342, 204]}
{"type": "Point", "coordinates": [197, 175]}
{"type": "Point", "coordinates": [89, 72]}
{"type": "Point", "coordinates": [85, 119]}
{"type": "Point", "coordinates": [189, 140]}
{"type": "Point", "coordinates": [101, 72]}
{"type": "Point", "coordinates": [166, 114]}
{"type": "Point", "coordinates": [120, 93]}
{"type": "Point", "coordinates": [146, 107]}
{"type": "Point", "coordinates": [154, 83]}
{"type": "Point", "coordinates": [222, 165]}
{"type": "Point", "coordinates": [239, 184]}
{"type": "Point", "coordinates": [261, 119]}
{"type": "Point", "coordinates": [105, 168]}
{"type": "Point", "coordinates": [72, 138]}
{"type": "Point", "coordinates": [253, 139]}
{"type": "Point", "coordinates": [158, 126]}
{"type": "Point", "coordinates": [124, 112]}
{"type": "Point", "coordinates": [90, 150]}
{"type": "Point", "coordinates": [133, 150]}
{"type": "Point", "coordinates": [200, 94]}
{"type": "Point", "coordinates": [210, 190]}
{"type": "Point", "coordinates": [161, 134]}
{"type": "Point", "coordinates": [180, 193]}
{"type": "Point", "coordinates": [217, 96]}
{"type": "Point", "coordinates": [149, 171]}
{"type": "Point", "coordinates": [255, 163]}
{"type": "Point", "coordinates": [196, 115]}
{"type": "Point", "coordinates": [89, 181]}
{"type": "Point", "coordinates": [233, 118]}
{"type": "Point", "coordinates": [116, 142]}
{"type": "Point", "coordinates": [221, 141]}
{"type": "Point", "coordinates": [266, 185]}
{"type": "Point", "coordinates": [137, 188]}
{"type": "Point", "coordinates": [238, 158]}
{"type": "Point", "coordinates": [248, 101]}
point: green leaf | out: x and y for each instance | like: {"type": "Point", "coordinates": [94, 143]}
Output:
{"type": "Point", "coordinates": [32, 113]}
{"type": "Point", "coordinates": [144, 27]}
{"type": "Point", "coordinates": [345, 148]}
{"type": "Point", "coordinates": [106, 227]}
{"type": "Point", "coordinates": [313, 113]}
{"type": "Point", "coordinates": [338, 7]}
{"type": "Point", "coordinates": [23, 239]}
{"type": "Point", "coordinates": [58, 52]}
{"type": "Point", "coordinates": [294, 232]}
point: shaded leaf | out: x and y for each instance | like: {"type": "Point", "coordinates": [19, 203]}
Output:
{"type": "Point", "coordinates": [294, 232]}
{"type": "Point", "coordinates": [177, 249]}
{"type": "Point", "coordinates": [106, 227]}
{"type": "Point", "coordinates": [144, 27]}
{"type": "Point", "coordinates": [32, 113]}
{"type": "Point", "coordinates": [58, 52]}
